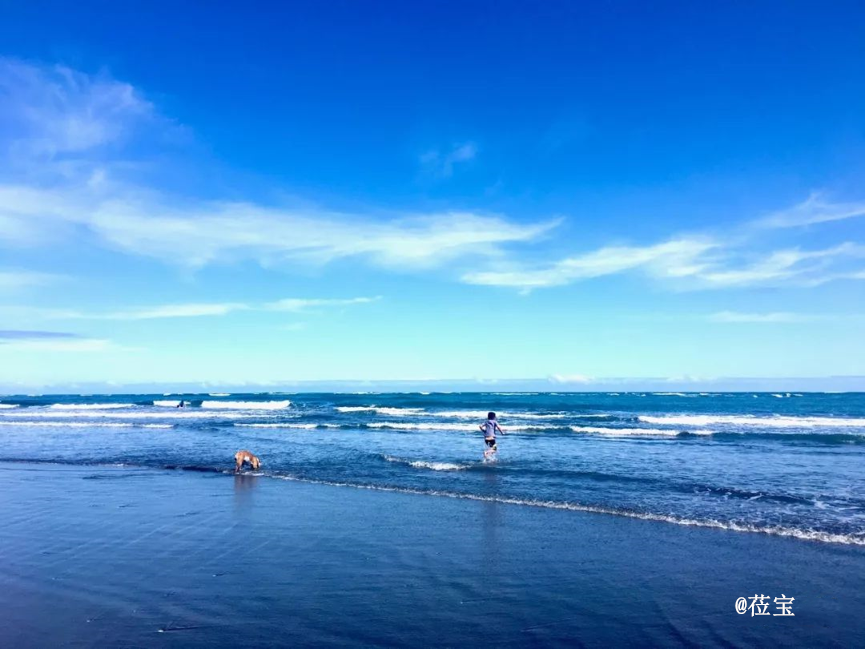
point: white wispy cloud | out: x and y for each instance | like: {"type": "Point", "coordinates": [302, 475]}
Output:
{"type": "Point", "coordinates": [18, 279]}
{"type": "Point", "coordinates": [54, 110]}
{"type": "Point", "coordinates": [86, 345]}
{"type": "Point", "coordinates": [175, 231]}
{"type": "Point", "coordinates": [194, 310]}
{"type": "Point", "coordinates": [301, 304]}
{"type": "Point", "coordinates": [815, 209]}
{"type": "Point", "coordinates": [211, 232]}
{"type": "Point", "coordinates": [737, 317]}
{"type": "Point", "coordinates": [569, 378]}
{"type": "Point", "coordinates": [688, 263]}
{"type": "Point", "coordinates": [50, 341]}
{"type": "Point", "coordinates": [186, 310]}
{"type": "Point", "coordinates": [795, 266]}
{"type": "Point", "coordinates": [671, 259]}
{"type": "Point", "coordinates": [67, 121]}
{"type": "Point", "coordinates": [441, 163]}
{"type": "Point", "coordinates": [781, 317]}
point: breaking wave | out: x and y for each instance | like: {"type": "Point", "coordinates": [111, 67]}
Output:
{"type": "Point", "coordinates": [636, 431]}
{"type": "Point", "coordinates": [90, 406]}
{"type": "Point", "coordinates": [423, 464]}
{"type": "Point", "coordinates": [246, 405]}
{"type": "Point", "coordinates": [381, 410]}
{"type": "Point", "coordinates": [777, 421]}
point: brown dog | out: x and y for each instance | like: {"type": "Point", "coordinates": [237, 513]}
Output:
{"type": "Point", "coordinates": [245, 456]}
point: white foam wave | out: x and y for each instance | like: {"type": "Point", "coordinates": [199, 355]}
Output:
{"type": "Point", "coordinates": [174, 413]}
{"type": "Point", "coordinates": [8, 406]}
{"type": "Point", "coordinates": [90, 406]}
{"type": "Point", "coordinates": [633, 431]}
{"type": "Point", "coordinates": [423, 464]}
{"type": "Point", "coordinates": [162, 403]}
{"type": "Point", "coordinates": [288, 425]}
{"type": "Point", "coordinates": [82, 424]}
{"type": "Point", "coordinates": [218, 394]}
{"type": "Point", "coordinates": [420, 426]}
{"type": "Point", "coordinates": [246, 405]}
{"type": "Point", "coordinates": [791, 532]}
{"type": "Point", "coordinates": [464, 428]}
{"type": "Point", "coordinates": [381, 410]}
{"type": "Point", "coordinates": [752, 420]}
{"type": "Point", "coordinates": [482, 415]}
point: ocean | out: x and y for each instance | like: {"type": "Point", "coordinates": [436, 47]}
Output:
{"type": "Point", "coordinates": [787, 464]}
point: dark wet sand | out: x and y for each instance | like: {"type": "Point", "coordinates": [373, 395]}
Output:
{"type": "Point", "coordinates": [100, 557]}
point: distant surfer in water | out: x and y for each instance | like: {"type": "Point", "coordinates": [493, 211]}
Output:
{"type": "Point", "coordinates": [489, 428]}
{"type": "Point", "coordinates": [181, 404]}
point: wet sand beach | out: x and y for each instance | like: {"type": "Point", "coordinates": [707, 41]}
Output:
{"type": "Point", "coordinates": [105, 556]}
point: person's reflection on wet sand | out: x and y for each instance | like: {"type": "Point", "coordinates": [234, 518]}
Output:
{"type": "Point", "coordinates": [491, 522]}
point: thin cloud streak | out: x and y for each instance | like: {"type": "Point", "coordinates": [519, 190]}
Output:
{"type": "Point", "coordinates": [686, 264]}
{"type": "Point", "coordinates": [17, 279]}
{"type": "Point", "coordinates": [169, 311]}
{"type": "Point", "coordinates": [195, 235]}
{"type": "Point", "coordinates": [188, 310]}
{"type": "Point", "coordinates": [295, 305]}
{"type": "Point", "coordinates": [671, 259]}
{"type": "Point", "coordinates": [26, 334]}
{"type": "Point", "coordinates": [88, 345]}
{"type": "Point", "coordinates": [813, 210]}
{"type": "Point", "coordinates": [440, 164]}
{"type": "Point", "coordinates": [779, 317]}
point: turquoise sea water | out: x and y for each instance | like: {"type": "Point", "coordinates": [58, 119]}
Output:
{"type": "Point", "coordinates": [788, 464]}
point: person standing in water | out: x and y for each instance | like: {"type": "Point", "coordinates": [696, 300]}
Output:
{"type": "Point", "coordinates": [489, 429]}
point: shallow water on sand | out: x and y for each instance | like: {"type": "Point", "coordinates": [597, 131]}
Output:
{"type": "Point", "coordinates": [102, 556]}
{"type": "Point", "coordinates": [787, 464]}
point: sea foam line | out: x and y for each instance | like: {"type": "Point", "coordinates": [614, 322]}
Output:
{"type": "Point", "coordinates": [482, 415]}
{"type": "Point", "coordinates": [381, 410]}
{"type": "Point", "coordinates": [634, 431]}
{"type": "Point", "coordinates": [751, 420]}
{"type": "Point", "coordinates": [82, 424]}
{"type": "Point", "coordinates": [465, 428]}
{"type": "Point", "coordinates": [422, 464]}
{"type": "Point", "coordinates": [774, 530]}
{"type": "Point", "coordinates": [247, 405]}
{"type": "Point", "coordinates": [89, 406]}
{"type": "Point", "coordinates": [288, 425]}
{"type": "Point", "coordinates": [122, 413]}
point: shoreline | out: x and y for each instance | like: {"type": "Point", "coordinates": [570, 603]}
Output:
{"type": "Point", "coordinates": [780, 532]}
{"type": "Point", "coordinates": [111, 555]}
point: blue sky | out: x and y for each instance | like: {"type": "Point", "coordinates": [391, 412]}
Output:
{"type": "Point", "coordinates": [474, 190]}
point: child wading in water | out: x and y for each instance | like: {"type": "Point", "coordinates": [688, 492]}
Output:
{"type": "Point", "coordinates": [489, 429]}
